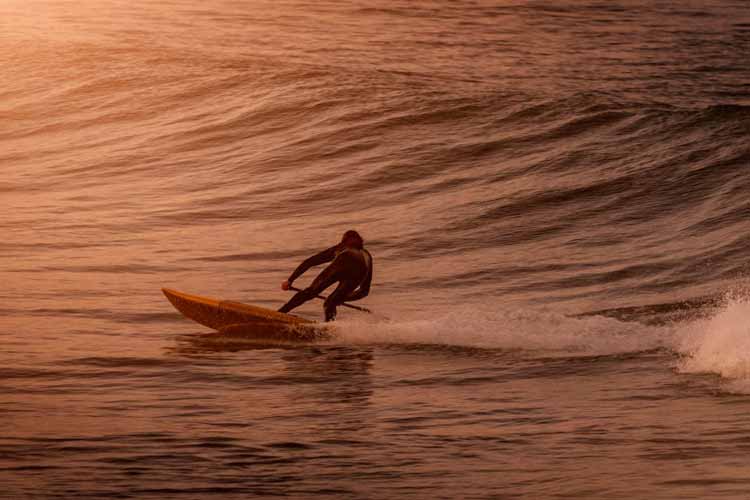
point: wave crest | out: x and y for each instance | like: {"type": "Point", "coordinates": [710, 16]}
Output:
{"type": "Point", "coordinates": [720, 344]}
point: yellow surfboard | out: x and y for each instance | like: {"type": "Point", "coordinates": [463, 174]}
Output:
{"type": "Point", "coordinates": [231, 318]}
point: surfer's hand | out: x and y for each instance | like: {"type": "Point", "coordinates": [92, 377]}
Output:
{"type": "Point", "coordinates": [285, 285]}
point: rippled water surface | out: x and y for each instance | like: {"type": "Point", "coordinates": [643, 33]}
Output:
{"type": "Point", "coordinates": [555, 195]}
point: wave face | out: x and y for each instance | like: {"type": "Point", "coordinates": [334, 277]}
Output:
{"type": "Point", "coordinates": [521, 164]}
{"type": "Point", "coordinates": [559, 185]}
{"type": "Point", "coordinates": [503, 168]}
{"type": "Point", "coordinates": [508, 168]}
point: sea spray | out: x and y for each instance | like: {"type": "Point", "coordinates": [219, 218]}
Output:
{"type": "Point", "coordinates": [720, 344]}
{"type": "Point", "coordinates": [519, 329]}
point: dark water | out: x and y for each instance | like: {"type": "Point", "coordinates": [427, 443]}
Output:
{"type": "Point", "coordinates": [555, 194]}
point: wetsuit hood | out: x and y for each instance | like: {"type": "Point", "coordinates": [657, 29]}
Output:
{"type": "Point", "coordinates": [352, 239]}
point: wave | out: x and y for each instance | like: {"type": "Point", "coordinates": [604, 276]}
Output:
{"type": "Point", "coordinates": [590, 199]}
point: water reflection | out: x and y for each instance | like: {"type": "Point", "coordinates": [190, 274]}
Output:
{"type": "Point", "coordinates": [337, 393]}
{"type": "Point", "coordinates": [202, 344]}
{"type": "Point", "coordinates": [328, 372]}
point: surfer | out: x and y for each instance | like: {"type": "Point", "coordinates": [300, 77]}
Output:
{"type": "Point", "coordinates": [351, 267]}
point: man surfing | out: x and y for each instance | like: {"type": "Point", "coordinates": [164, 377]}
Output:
{"type": "Point", "coordinates": [351, 267]}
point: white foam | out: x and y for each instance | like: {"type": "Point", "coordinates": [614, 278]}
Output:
{"type": "Point", "coordinates": [523, 329]}
{"type": "Point", "coordinates": [720, 345]}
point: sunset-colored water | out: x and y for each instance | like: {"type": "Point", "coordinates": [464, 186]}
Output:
{"type": "Point", "coordinates": [555, 194]}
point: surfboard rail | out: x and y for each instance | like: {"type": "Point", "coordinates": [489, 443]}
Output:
{"type": "Point", "coordinates": [221, 314]}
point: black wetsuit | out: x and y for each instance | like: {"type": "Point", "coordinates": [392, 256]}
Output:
{"type": "Point", "coordinates": [351, 268]}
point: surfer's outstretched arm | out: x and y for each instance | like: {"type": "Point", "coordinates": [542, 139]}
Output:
{"type": "Point", "coordinates": [320, 258]}
{"type": "Point", "coordinates": [327, 277]}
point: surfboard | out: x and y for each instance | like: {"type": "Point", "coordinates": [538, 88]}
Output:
{"type": "Point", "coordinates": [236, 319]}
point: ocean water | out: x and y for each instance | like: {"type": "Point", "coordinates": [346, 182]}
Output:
{"type": "Point", "coordinates": [555, 194]}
